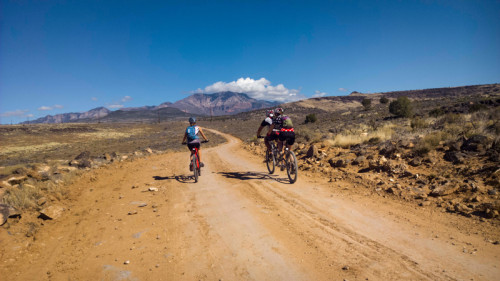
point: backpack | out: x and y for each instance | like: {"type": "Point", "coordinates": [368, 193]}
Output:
{"type": "Point", "coordinates": [287, 122]}
{"type": "Point", "coordinates": [192, 132]}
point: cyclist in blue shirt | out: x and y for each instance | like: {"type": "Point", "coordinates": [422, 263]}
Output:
{"type": "Point", "coordinates": [191, 135]}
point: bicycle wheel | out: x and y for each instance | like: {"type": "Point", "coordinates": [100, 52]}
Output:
{"type": "Point", "coordinates": [270, 161]}
{"type": "Point", "coordinates": [195, 167]}
{"type": "Point", "coordinates": [291, 166]}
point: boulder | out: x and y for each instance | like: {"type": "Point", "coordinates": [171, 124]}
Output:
{"type": "Point", "coordinates": [51, 212]}
{"type": "Point", "coordinates": [444, 190]}
{"type": "Point", "coordinates": [312, 152]}
{"type": "Point", "coordinates": [85, 163]}
{"type": "Point", "coordinates": [455, 157]}
{"type": "Point", "coordinates": [476, 143]}
{"type": "Point", "coordinates": [388, 149]}
{"type": "Point", "coordinates": [7, 211]}
{"type": "Point", "coordinates": [83, 155]}
{"type": "Point", "coordinates": [16, 179]}
{"type": "Point", "coordinates": [415, 162]}
{"type": "Point", "coordinates": [359, 160]}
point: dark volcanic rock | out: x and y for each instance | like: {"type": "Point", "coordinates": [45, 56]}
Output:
{"type": "Point", "coordinates": [476, 143]}
{"type": "Point", "coordinates": [84, 155]}
{"type": "Point", "coordinates": [455, 157]}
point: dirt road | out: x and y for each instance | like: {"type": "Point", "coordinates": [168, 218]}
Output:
{"type": "Point", "coordinates": [240, 223]}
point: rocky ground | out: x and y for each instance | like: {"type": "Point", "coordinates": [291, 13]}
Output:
{"type": "Point", "coordinates": [461, 177]}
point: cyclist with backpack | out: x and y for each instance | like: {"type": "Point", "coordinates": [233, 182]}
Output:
{"type": "Point", "coordinates": [283, 128]}
{"type": "Point", "coordinates": [191, 135]}
{"type": "Point", "coordinates": [266, 122]}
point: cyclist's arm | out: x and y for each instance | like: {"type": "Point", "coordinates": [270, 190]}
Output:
{"type": "Point", "coordinates": [270, 129]}
{"type": "Point", "coordinates": [259, 130]}
{"type": "Point", "coordinates": [202, 134]}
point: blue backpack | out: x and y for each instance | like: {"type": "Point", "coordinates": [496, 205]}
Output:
{"type": "Point", "coordinates": [191, 133]}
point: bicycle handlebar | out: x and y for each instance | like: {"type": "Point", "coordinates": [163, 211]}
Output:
{"type": "Point", "coordinates": [204, 141]}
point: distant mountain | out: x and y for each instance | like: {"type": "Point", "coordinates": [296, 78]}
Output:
{"type": "Point", "coordinates": [224, 103]}
{"type": "Point", "coordinates": [147, 115]}
{"type": "Point", "coordinates": [93, 114]}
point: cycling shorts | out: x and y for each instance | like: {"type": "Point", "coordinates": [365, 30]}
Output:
{"type": "Point", "coordinates": [194, 143]}
{"type": "Point", "coordinates": [289, 137]}
{"type": "Point", "coordinates": [273, 136]}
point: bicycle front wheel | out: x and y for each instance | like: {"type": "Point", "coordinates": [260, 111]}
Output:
{"type": "Point", "coordinates": [291, 167]}
{"type": "Point", "coordinates": [270, 161]}
{"type": "Point", "coordinates": [195, 167]}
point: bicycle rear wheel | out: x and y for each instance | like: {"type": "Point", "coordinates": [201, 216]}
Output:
{"type": "Point", "coordinates": [270, 161]}
{"type": "Point", "coordinates": [195, 167]}
{"type": "Point", "coordinates": [291, 166]}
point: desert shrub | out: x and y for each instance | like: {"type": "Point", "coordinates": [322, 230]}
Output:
{"type": "Point", "coordinates": [22, 197]}
{"type": "Point", "coordinates": [418, 123]}
{"type": "Point", "coordinates": [311, 118]}
{"type": "Point", "coordinates": [430, 142]}
{"type": "Point", "coordinates": [384, 100]}
{"type": "Point", "coordinates": [307, 135]}
{"type": "Point", "coordinates": [477, 107]}
{"type": "Point", "coordinates": [436, 112]}
{"type": "Point", "coordinates": [367, 103]}
{"type": "Point", "coordinates": [453, 118]}
{"type": "Point", "coordinates": [402, 107]}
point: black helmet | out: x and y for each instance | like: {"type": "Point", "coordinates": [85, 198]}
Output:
{"type": "Point", "coordinates": [278, 111]}
{"type": "Point", "coordinates": [192, 120]}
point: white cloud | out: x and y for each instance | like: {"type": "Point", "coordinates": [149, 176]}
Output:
{"type": "Point", "coordinates": [30, 115]}
{"type": "Point", "coordinates": [318, 94]}
{"type": "Point", "coordinates": [343, 89]}
{"type": "Point", "coordinates": [16, 113]}
{"type": "Point", "coordinates": [93, 98]}
{"type": "Point", "coordinates": [258, 89]}
{"type": "Point", "coordinates": [113, 106]}
{"type": "Point", "coordinates": [126, 98]}
{"type": "Point", "coordinates": [46, 108]}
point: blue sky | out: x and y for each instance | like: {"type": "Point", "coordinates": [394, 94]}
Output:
{"type": "Point", "coordinates": [72, 56]}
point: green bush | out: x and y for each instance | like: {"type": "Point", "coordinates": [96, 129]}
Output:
{"type": "Point", "coordinates": [384, 100]}
{"type": "Point", "coordinates": [367, 103]}
{"type": "Point", "coordinates": [436, 112]}
{"type": "Point", "coordinates": [401, 107]}
{"type": "Point", "coordinates": [311, 118]}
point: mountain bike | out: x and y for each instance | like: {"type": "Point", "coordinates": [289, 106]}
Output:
{"type": "Point", "coordinates": [195, 162]}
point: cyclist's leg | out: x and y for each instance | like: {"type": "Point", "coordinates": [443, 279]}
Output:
{"type": "Point", "coordinates": [190, 147]}
{"type": "Point", "coordinates": [290, 140]}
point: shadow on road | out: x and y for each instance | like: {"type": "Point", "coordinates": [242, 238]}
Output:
{"type": "Point", "coordinates": [253, 176]}
{"type": "Point", "coordinates": [181, 178]}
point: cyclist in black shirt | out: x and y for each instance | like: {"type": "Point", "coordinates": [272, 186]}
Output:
{"type": "Point", "coordinates": [266, 123]}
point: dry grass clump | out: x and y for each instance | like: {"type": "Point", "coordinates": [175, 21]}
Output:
{"type": "Point", "coordinates": [363, 135]}
{"type": "Point", "coordinates": [23, 197]}
{"type": "Point", "coordinates": [431, 141]}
